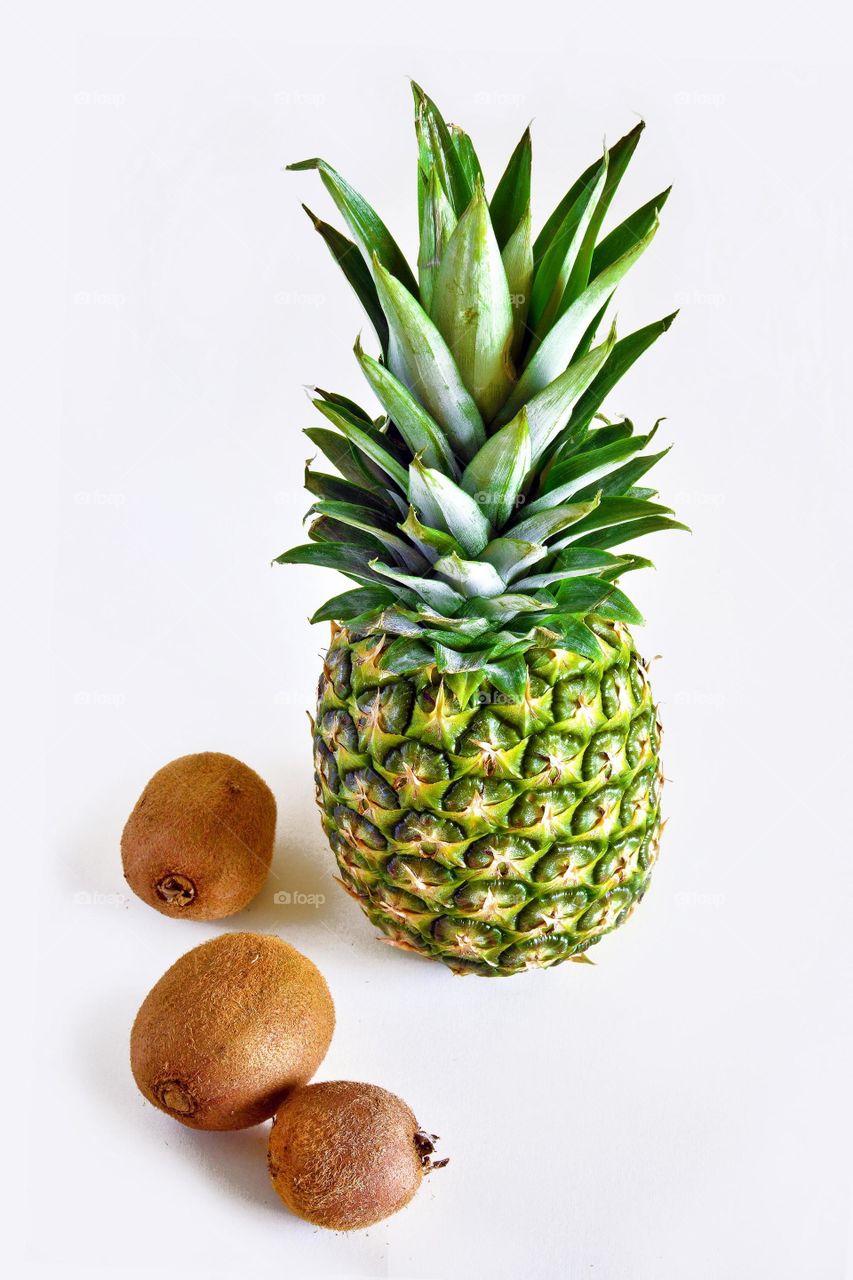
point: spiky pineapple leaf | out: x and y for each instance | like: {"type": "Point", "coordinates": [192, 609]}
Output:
{"type": "Point", "coordinates": [327, 529]}
{"type": "Point", "coordinates": [512, 194]}
{"type": "Point", "coordinates": [368, 228]}
{"type": "Point", "coordinates": [627, 233]}
{"type": "Point", "coordinates": [472, 309]}
{"type": "Point", "coordinates": [437, 594]}
{"type": "Point", "coordinates": [366, 442]}
{"type": "Point", "coordinates": [437, 151]}
{"type": "Point", "coordinates": [591, 595]}
{"type": "Point", "coordinates": [419, 357]}
{"type": "Point", "coordinates": [355, 517]}
{"type": "Point", "coordinates": [353, 604]}
{"type": "Point", "coordinates": [579, 470]}
{"type": "Point", "coordinates": [352, 465]}
{"type": "Point", "coordinates": [349, 559]}
{"type": "Point", "coordinates": [617, 510]}
{"type": "Point", "coordinates": [618, 159]}
{"type": "Point", "coordinates": [623, 355]}
{"type": "Point", "coordinates": [517, 257]}
{"type": "Point", "coordinates": [432, 542]}
{"type": "Point", "coordinates": [334, 489]}
{"type": "Point", "coordinates": [422, 433]}
{"type": "Point", "coordinates": [549, 410]}
{"type": "Point", "coordinates": [443, 505]}
{"type": "Point", "coordinates": [573, 634]}
{"type": "Point", "coordinates": [511, 556]}
{"type": "Point", "coordinates": [509, 676]}
{"type": "Point", "coordinates": [620, 480]}
{"type": "Point", "coordinates": [495, 474]}
{"type": "Point", "coordinates": [360, 416]}
{"type": "Point", "coordinates": [555, 352]}
{"type": "Point", "coordinates": [471, 578]}
{"type": "Point", "coordinates": [619, 155]}
{"type": "Point", "coordinates": [351, 262]}
{"type": "Point", "coordinates": [616, 534]}
{"type": "Point", "coordinates": [584, 560]}
{"type": "Point", "coordinates": [464, 148]}
{"type": "Point", "coordinates": [554, 271]}
{"type": "Point", "coordinates": [438, 222]}
{"type": "Point", "coordinates": [544, 524]}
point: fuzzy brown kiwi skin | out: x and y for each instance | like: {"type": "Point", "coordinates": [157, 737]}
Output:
{"type": "Point", "coordinates": [230, 1030]}
{"type": "Point", "coordinates": [199, 842]}
{"type": "Point", "coordinates": [345, 1155]}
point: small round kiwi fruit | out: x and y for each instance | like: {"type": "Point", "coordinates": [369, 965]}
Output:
{"type": "Point", "coordinates": [199, 841]}
{"type": "Point", "coordinates": [345, 1155]}
{"type": "Point", "coordinates": [230, 1029]}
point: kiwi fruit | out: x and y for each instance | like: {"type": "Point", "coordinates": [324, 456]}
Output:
{"type": "Point", "coordinates": [199, 841]}
{"type": "Point", "coordinates": [345, 1155]}
{"type": "Point", "coordinates": [229, 1030]}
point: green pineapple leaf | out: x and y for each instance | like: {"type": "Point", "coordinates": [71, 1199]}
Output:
{"type": "Point", "coordinates": [517, 258]}
{"type": "Point", "coordinates": [349, 559]}
{"type": "Point", "coordinates": [511, 556]}
{"type": "Point", "coordinates": [512, 195]}
{"type": "Point", "coordinates": [548, 412]}
{"type": "Point", "coordinates": [422, 433]}
{"type": "Point", "coordinates": [368, 228]}
{"type": "Point", "coordinates": [618, 160]}
{"type": "Point", "coordinates": [580, 470]}
{"type": "Point", "coordinates": [366, 442]}
{"type": "Point", "coordinates": [468, 159]}
{"type": "Point", "coordinates": [355, 517]}
{"type": "Point", "coordinates": [617, 534]}
{"type": "Point", "coordinates": [591, 595]}
{"type": "Point", "coordinates": [618, 156]}
{"type": "Point", "coordinates": [618, 481]}
{"type": "Point", "coordinates": [443, 505]}
{"type": "Point", "coordinates": [357, 272]}
{"type": "Point", "coordinates": [627, 233]}
{"type": "Point", "coordinates": [436, 150]}
{"type": "Point", "coordinates": [551, 358]}
{"type": "Point", "coordinates": [471, 578]}
{"type": "Point", "coordinates": [495, 474]}
{"type": "Point", "coordinates": [623, 355]}
{"type": "Point", "coordinates": [352, 604]}
{"type": "Point", "coordinates": [352, 464]}
{"type": "Point", "coordinates": [437, 225]}
{"type": "Point", "coordinates": [432, 542]}
{"type": "Point", "coordinates": [437, 594]}
{"type": "Point", "coordinates": [334, 489]}
{"type": "Point", "coordinates": [472, 309]}
{"type": "Point", "coordinates": [544, 524]}
{"type": "Point", "coordinates": [553, 272]}
{"type": "Point", "coordinates": [419, 357]}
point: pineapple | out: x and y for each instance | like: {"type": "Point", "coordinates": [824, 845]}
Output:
{"type": "Point", "coordinates": [486, 743]}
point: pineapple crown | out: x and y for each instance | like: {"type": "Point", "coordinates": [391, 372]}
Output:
{"type": "Point", "coordinates": [479, 512]}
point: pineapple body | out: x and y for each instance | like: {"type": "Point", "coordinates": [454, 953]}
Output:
{"type": "Point", "coordinates": [493, 833]}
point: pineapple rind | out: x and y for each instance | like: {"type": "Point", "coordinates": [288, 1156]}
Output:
{"type": "Point", "coordinates": [500, 834]}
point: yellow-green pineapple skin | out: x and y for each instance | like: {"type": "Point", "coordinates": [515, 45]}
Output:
{"type": "Point", "coordinates": [492, 833]}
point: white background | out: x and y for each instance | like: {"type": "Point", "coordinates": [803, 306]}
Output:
{"type": "Point", "coordinates": [681, 1110]}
